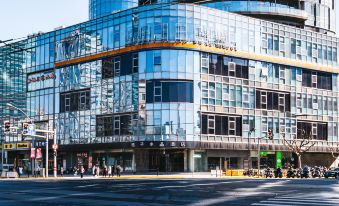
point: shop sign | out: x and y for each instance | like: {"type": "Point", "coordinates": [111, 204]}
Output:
{"type": "Point", "coordinates": [38, 153]}
{"type": "Point", "coordinates": [263, 154]}
{"type": "Point", "coordinates": [279, 159]}
{"type": "Point", "coordinates": [24, 145]}
{"type": "Point", "coordinates": [41, 77]}
{"type": "Point", "coordinates": [32, 153]}
{"type": "Point", "coordinates": [196, 155]}
{"type": "Point", "coordinates": [9, 146]}
{"type": "Point", "coordinates": [82, 154]}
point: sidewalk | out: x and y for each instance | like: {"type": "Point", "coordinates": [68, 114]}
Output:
{"type": "Point", "coordinates": [132, 176]}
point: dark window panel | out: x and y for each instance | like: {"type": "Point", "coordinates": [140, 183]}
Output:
{"type": "Point", "coordinates": [107, 68]}
{"type": "Point", "coordinates": [307, 78]}
{"type": "Point", "coordinates": [219, 65]}
{"type": "Point", "coordinates": [258, 99]}
{"type": "Point", "coordinates": [270, 100]}
{"type": "Point", "coordinates": [204, 124]}
{"type": "Point", "coordinates": [150, 92]}
{"type": "Point", "coordinates": [275, 101]}
{"type": "Point", "coordinates": [218, 125]}
{"type": "Point", "coordinates": [213, 63]}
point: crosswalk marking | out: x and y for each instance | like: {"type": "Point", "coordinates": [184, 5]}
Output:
{"type": "Point", "coordinates": [298, 200]}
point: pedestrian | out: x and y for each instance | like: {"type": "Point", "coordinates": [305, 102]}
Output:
{"type": "Point", "coordinates": [114, 169]}
{"type": "Point", "coordinates": [118, 170]}
{"type": "Point", "coordinates": [17, 171]}
{"type": "Point", "coordinates": [93, 170]}
{"type": "Point", "coordinates": [27, 171]}
{"type": "Point", "coordinates": [98, 171]}
{"type": "Point", "coordinates": [37, 171]}
{"type": "Point", "coordinates": [20, 171]}
{"type": "Point", "coordinates": [82, 171]}
{"type": "Point", "coordinates": [105, 171]}
{"type": "Point", "coordinates": [62, 171]}
{"type": "Point", "coordinates": [109, 171]}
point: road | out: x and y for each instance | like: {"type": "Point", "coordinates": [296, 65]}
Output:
{"type": "Point", "coordinates": [193, 192]}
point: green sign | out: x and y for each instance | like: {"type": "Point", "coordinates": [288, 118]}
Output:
{"type": "Point", "coordinates": [263, 153]}
{"type": "Point", "coordinates": [279, 159]}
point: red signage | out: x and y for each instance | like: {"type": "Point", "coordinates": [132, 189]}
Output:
{"type": "Point", "coordinates": [43, 77]}
{"type": "Point", "coordinates": [38, 153]}
{"type": "Point", "coordinates": [32, 153]}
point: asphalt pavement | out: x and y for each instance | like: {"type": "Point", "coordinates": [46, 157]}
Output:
{"type": "Point", "coordinates": [168, 191]}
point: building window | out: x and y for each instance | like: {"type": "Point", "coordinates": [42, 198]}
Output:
{"type": "Point", "coordinates": [169, 91]}
{"type": "Point", "coordinates": [315, 130]}
{"type": "Point", "coordinates": [119, 65]}
{"type": "Point", "coordinates": [114, 125]}
{"type": "Point", "coordinates": [224, 66]}
{"type": "Point", "coordinates": [214, 124]}
{"type": "Point", "coordinates": [273, 100]}
{"type": "Point", "coordinates": [320, 80]}
{"type": "Point", "coordinates": [75, 101]}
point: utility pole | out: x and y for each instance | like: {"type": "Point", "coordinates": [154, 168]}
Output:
{"type": "Point", "coordinates": [55, 154]}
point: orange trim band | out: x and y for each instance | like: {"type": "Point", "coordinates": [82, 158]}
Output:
{"type": "Point", "coordinates": [191, 46]}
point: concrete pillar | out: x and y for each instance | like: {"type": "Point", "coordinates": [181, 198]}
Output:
{"type": "Point", "coordinates": [190, 160]}
{"type": "Point", "coordinates": [185, 161]}
{"type": "Point", "coordinates": [133, 161]}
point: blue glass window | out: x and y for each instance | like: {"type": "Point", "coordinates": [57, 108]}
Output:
{"type": "Point", "coordinates": [169, 91]}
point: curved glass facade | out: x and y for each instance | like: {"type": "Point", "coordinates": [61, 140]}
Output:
{"type": "Point", "coordinates": [99, 8]}
{"type": "Point", "coordinates": [176, 77]}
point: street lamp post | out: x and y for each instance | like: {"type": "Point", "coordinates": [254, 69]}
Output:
{"type": "Point", "coordinates": [248, 144]}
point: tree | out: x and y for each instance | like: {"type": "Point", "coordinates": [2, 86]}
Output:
{"type": "Point", "coordinates": [300, 145]}
{"type": "Point", "coordinates": [335, 151]}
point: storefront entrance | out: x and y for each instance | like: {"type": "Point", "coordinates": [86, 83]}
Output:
{"type": "Point", "coordinates": [166, 160]}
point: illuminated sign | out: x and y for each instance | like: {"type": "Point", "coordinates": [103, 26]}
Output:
{"type": "Point", "coordinates": [41, 77]}
{"type": "Point", "coordinates": [24, 145]}
{"type": "Point", "coordinates": [9, 146]}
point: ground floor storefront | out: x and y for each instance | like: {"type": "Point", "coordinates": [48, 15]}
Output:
{"type": "Point", "coordinates": [186, 160]}
{"type": "Point", "coordinates": [165, 159]}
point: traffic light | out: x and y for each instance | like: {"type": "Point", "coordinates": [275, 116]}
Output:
{"type": "Point", "coordinates": [7, 126]}
{"type": "Point", "coordinates": [25, 128]}
{"type": "Point", "coordinates": [270, 134]}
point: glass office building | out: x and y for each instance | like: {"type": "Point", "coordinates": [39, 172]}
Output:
{"type": "Point", "coordinates": [177, 86]}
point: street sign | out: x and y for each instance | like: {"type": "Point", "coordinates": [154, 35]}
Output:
{"type": "Point", "coordinates": [31, 129]}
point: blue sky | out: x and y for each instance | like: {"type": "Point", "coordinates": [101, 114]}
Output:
{"type": "Point", "coordinates": [21, 17]}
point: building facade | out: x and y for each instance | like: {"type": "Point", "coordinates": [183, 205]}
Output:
{"type": "Point", "coordinates": [178, 86]}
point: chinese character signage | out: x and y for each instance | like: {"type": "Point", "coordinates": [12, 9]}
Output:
{"type": "Point", "coordinates": [40, 80]}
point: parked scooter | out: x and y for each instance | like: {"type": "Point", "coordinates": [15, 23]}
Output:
{"type": "Point", "coordinates": [316, 172]}
{"type": "Point", "coordinates": [278, 173]}
{"type": "Point", "coordinates": [268, 173]}
{"type": "Point", "coordinates": [306, 172]}
{"type": "Point", "coordinates": [291, 173]}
